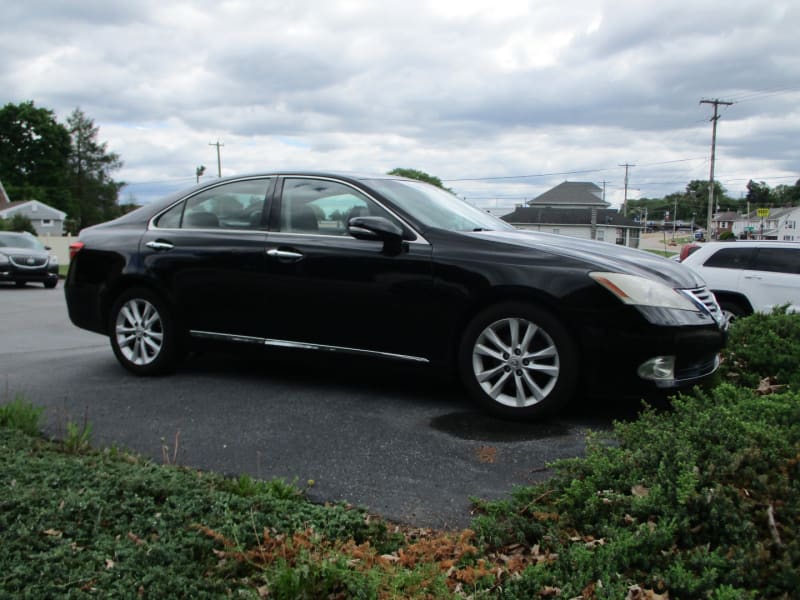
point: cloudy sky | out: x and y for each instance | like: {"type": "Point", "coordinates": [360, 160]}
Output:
{"type": "Point", "coordinates": [500, 99]}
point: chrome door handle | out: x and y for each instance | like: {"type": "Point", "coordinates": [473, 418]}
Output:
{"type": "Point", "coordinates": [157, 245]}
{"type": "Point", "coordinates": [284, 254]}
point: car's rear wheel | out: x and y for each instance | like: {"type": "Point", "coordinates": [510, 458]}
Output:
{"type": "Point", "coordinates": [732, 310]}
{"type": "Point", "coordinates": [143, 332]}
{"type": "Point", "coordinates": [517, 360]}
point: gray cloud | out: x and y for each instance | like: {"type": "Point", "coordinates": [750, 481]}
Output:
{"type": "Point", "coordinates": [460, 89]}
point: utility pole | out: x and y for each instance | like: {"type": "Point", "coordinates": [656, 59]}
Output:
{"type": "Point", "coordinates": [219, 162]}
{"type": "Point", "coordinates": [716, 102]}
{"type": "Point", "coordinates": [625, 200]}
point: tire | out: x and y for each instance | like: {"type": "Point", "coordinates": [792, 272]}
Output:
{"type": "Point", "coordinates": [51, 284]}
{"type": "Point", "coordinates": [19, 284]}
{"type": "Point", "coordinates": [732, 310]}
{"type": "Point", "coordinates": [143, 333]}
{"type": "Point", "coordinates": [517, 360]}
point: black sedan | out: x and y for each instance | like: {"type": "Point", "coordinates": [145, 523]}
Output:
{"type": "Point", "coordinates": [24, 259]}
{"type": "Point", "coordinates": [392, 268]}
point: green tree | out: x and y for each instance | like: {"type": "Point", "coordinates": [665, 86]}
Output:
{"type": "Point", "coordinates": [786, 195]}
{"type": "Point", "coordinates": [35, 151]}
{"type": "Point", "coordinates": [419, 175]}
{"type": "Point", "coordinates": [759, 193]}
{"type": "Point", "coordinates": [93, 190]}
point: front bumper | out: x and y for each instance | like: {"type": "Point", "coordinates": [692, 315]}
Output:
{"type": "Point", "coordinates": [41, 275]}
{"type": "Point", "coordinates": [614, 358]}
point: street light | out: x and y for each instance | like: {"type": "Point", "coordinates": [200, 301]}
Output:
{"type": "Point", "coordinates": [199, 171]}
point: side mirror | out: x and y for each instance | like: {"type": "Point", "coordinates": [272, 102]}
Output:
{"type": "Point", "coordinates": [376, 229]}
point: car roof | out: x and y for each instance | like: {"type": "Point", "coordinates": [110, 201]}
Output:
{"type": "Point", "coordinates": [753, 243]}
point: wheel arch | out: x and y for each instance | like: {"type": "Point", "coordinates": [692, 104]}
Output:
{"type": "Point", "coordinates": [110, 294]}
{"type": "Point", "coordinates": [723, 296]}
{"type": "Point", "coordinates": [501, 295]}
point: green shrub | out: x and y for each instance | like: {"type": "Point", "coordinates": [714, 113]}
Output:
{"type": "Point", "coordinates": [764, 346]}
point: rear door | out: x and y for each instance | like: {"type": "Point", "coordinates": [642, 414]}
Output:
{"type": "Point", "coordinates": [774, 277]}
{"type": "Point", "coordinates": [207, 252]}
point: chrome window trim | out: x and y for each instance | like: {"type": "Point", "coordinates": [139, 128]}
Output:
{"type": "Point", "coordinates": [211, 335]}
{"type": "Point", "coordinates": [152, 226]}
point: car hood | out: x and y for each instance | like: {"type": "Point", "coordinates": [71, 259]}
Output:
{"type": "Point", "coordinates": [601, 256]}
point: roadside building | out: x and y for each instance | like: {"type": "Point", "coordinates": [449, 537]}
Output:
{"type": "Point", "coordinates": [576, 209]}
{"type": "Point", "coordinates": [781, 224]}
{"type": "Point", "coordinates": [46, 220]}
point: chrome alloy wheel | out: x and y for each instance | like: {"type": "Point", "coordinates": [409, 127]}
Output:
{"type": "Point", "coordinates": [515, 362]}
{"type": "Point", "coordinates": [139, 331]}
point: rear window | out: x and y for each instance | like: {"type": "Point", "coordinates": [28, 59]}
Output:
{"type": "Point", "coordinates": [730, 258]}
{"type": "Point", "coordinates": [778, 260]}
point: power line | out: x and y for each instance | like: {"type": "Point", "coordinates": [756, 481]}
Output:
{"type": "Point", "coordinates": [525, 176]}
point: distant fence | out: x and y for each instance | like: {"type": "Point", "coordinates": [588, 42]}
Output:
{"type": "Point", "coordinates": [59, 246]}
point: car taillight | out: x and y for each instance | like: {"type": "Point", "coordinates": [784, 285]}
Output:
{"type": "Point", "coordinates": [74, 248]}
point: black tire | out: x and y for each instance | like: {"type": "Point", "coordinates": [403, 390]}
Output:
{"type": "Point", "coordinates": [531, 378]}
{"type": "Point", "coordinates": [19, 283]}
{"type": "Point", "coordinates": [51, 284]}
{"type": "Point", "coordinates": [732, 310]}
{"type": "Point", "coordinates": [144, 335]}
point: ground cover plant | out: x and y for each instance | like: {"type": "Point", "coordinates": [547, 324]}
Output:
{"type": "Point", "coordinates": [699, 501]}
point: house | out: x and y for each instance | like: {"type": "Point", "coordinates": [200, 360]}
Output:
{"type": "Point", "coordinates": [46, 220]}
{"type": "Point", "coordinates": [782, 224]}
{"type": "Point", "coordinates": [572, 194]}
{"type": "Point", "coordinates": [576, 209]}
{"type": "Point", "coordinates": [722, 222]}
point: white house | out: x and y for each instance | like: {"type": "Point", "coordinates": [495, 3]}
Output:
{"type": "Point", "coordinates": [782, 224]}
{"type": "Point", "coordinates": [46, 220]}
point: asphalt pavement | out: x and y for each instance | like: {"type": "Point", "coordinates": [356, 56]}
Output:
{"type": "Point", "coordinates": [401, 441]}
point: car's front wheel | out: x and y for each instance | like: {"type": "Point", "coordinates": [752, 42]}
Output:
{"type": "Point", "coordinates": [143, 333]}
{"type": "Point", "coordinates": [517, 360]}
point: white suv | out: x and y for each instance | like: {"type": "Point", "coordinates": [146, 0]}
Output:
{"type": "Point", "coordinates": [750, 276]}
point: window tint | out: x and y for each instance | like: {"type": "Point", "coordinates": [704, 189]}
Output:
{"type": "Point", "coordinates": [324, 207]}
{"type": "Point", "coordinates": [730, 258]}
{"type": "Point", "coordinates": [236, 205]}
{"type": "Point", "coordinates": [779, 260]}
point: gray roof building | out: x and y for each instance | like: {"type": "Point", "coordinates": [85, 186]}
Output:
{"type": "Point", "coordinates": [574, 194]}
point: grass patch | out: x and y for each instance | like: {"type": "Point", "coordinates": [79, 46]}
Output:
{"type": "Point", "coordinates": [700, 501]}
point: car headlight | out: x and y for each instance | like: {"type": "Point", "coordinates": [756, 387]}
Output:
{"type": "Point", "coordinates": [3, 259]}
{"type": "Point", "coordinates": [53, 260]}
{"type": "Point", "coordinates": [640, 291]}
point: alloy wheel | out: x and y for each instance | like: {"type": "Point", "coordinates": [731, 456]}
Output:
{"type": "Point", "coordinates": [139, 331]}
{"type": "Point", "coordinates": [515, 362]}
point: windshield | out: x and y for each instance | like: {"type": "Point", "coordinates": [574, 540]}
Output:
{"type": "Point", "coordinates": [16, 240]}
{"type": "Point", "coordinates": [435, 207]}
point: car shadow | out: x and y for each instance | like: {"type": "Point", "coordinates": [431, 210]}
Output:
{"type": "Point", "coordinates": [420, 386]}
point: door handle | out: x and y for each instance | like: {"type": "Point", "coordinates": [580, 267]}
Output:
{"type": "Point", "coordinates": [753, 277]}
{"type": "Point", "coordinates": [160, 245]}
{"type": "Point", "coordinates": [284, 254]}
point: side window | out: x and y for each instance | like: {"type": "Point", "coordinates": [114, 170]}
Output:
{"type": "Point", "coordinates": [778, 260]}
{"type": "Point", "coordinates": [323, 207]}
{"type": "Point", "coordinates": [235, 205]}
{"type": "Point", "coordinates": [730, 258]}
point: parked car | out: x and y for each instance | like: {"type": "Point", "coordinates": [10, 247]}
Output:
{"type": "Point", "coordinates": [393, 268]}
{"type": "Point", "coordinates": [24, 259]}
{"type": "Point", "coordinates": [750, 276]}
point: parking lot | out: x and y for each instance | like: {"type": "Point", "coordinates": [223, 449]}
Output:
{"type": "Point", "coordinates": [401, 441]}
